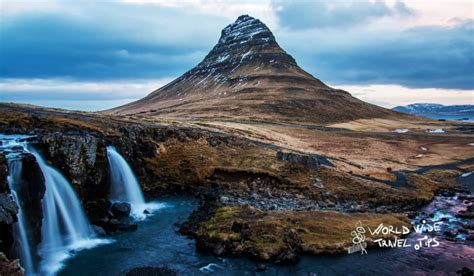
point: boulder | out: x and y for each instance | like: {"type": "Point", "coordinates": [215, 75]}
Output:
{"type": "Point", "coordinates": [121, 209]}
{"type": "Point", "coordinates": [114, 225]}
{"type": "Point", "coordinates": [98, 209]}
{"type": "Point", "coordinates": [109, 225]}
{"type": "Point", "coordinates": [287, 256]}
{"type": "Point", "coordinates": [99, 231]}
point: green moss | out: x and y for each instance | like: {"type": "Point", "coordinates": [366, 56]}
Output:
{"type": "Point", "coordinates": [267, 232]}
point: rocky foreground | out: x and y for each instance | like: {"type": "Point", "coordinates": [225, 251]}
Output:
{"type": "Point", "coordinates": [258, 200]}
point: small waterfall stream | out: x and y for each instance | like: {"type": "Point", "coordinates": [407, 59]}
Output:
{"type": "Point", "coordinates": [14, 178]}
{"type": "Point", "coordinates": [124, 184]}
{"type": "Point", "coordinates": [65, 227]}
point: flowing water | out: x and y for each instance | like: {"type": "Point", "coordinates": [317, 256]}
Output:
{"type": "Point", "coordinates": [124, 185]}
{"type": "Point", "coordinates": [14, 178]}
{"type": "Point", "coordinates": [65, 229]}
{"type": "Point", "coordinates": [156, 243]}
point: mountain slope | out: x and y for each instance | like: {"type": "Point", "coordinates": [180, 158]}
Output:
{"type": "Point", "coordinates": [248, 76]}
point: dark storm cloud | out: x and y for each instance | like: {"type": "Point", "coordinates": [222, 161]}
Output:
{"type": "Point", "coordinates": [425, 57]}
{"type": "Point", "coordinates": [111, 42]}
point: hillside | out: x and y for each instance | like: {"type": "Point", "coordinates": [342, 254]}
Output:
{"type": "Point", "coordinates": [247, 75]}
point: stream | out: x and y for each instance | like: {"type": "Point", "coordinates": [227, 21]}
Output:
{"type": "Point", "coordinates": [156, 243]}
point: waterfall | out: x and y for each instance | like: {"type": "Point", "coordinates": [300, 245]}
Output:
{"type": "Point", "coordinates": [14, 178]}
{"type": "Point", "coordinates": [65, 227]}
{"type": "Point", "coordinates": [124, 184]}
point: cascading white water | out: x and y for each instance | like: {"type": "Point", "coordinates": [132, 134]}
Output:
{"type": "Point", "coordinates": [65, 227]}
{"type": "Point", "coordinates": [14, 178]}
{"type": "Point", "coordinates": [124, 184]}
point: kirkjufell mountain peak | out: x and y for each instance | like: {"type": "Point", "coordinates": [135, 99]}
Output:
{"type": "Point", "coordinates": [241, 42]}
{"type": "Point", "coordinates": [247, 75]}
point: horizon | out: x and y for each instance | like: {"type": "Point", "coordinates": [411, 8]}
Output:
{"type": "Point", "coordinates": [392, 52]}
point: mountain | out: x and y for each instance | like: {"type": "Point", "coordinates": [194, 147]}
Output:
{"type": "Point", "coordinates": [247, 75]}
{"type": "Point", "coordinates": [427, 109]}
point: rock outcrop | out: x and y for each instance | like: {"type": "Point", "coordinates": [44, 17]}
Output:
{"type": "Point", "coordinates": [4, 188]}
{"type": "Point", "coordinates": [8, 210]}
{"type": "Point", "coordinates": [31, 191]}
{"type": "Point", "coordinates": [121, 209]}
{"type": "Point", "coordinates": [9, 267]}
{"type": "Point", "coordinates": [308, 161]}
{"type": "Point", "coordinates": [81, 156]}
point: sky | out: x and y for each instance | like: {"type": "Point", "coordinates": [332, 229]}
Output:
{"type": "Point", "coordinates": [94, 55]}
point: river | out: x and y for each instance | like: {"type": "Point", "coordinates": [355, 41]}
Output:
{"type": "Point", "coordinates": [157, 243]}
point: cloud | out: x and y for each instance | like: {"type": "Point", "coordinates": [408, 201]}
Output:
{"type": "Point", "coordinates": [70, 94]}
{"type": "Point", "coordinates": [321, 14]}
{"type": "Point", "coordinates": [94, 96]}
{"type": "Point", "coordinates": [94, 54]}
{"type": "Point", "coordinates": [75, 90]}
{"type": "Point", "coordinates": [261, 9]}
{"type": "Point", "coordinates": [393, 95]}
{"type": "Point", "coordinates": [401, 8]}
{"type": "Point", "coordinates": [423, 57]}
{"type": "Point", "coordinates": [105, 41]}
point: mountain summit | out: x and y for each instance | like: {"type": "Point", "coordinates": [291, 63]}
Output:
{"type": "Point", "coordinates": [246, 39]}
{"type": "Point", "coordinates": [247, 75]}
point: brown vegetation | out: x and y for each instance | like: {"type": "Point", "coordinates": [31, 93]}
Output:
{"type": "Point", "coordinates": [269, 235]}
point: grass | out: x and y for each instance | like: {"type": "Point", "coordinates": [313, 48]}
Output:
{"type": "Point", "coordinates": [442, 175]}
{"type": "Point", "coordinates": [267, 233]}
